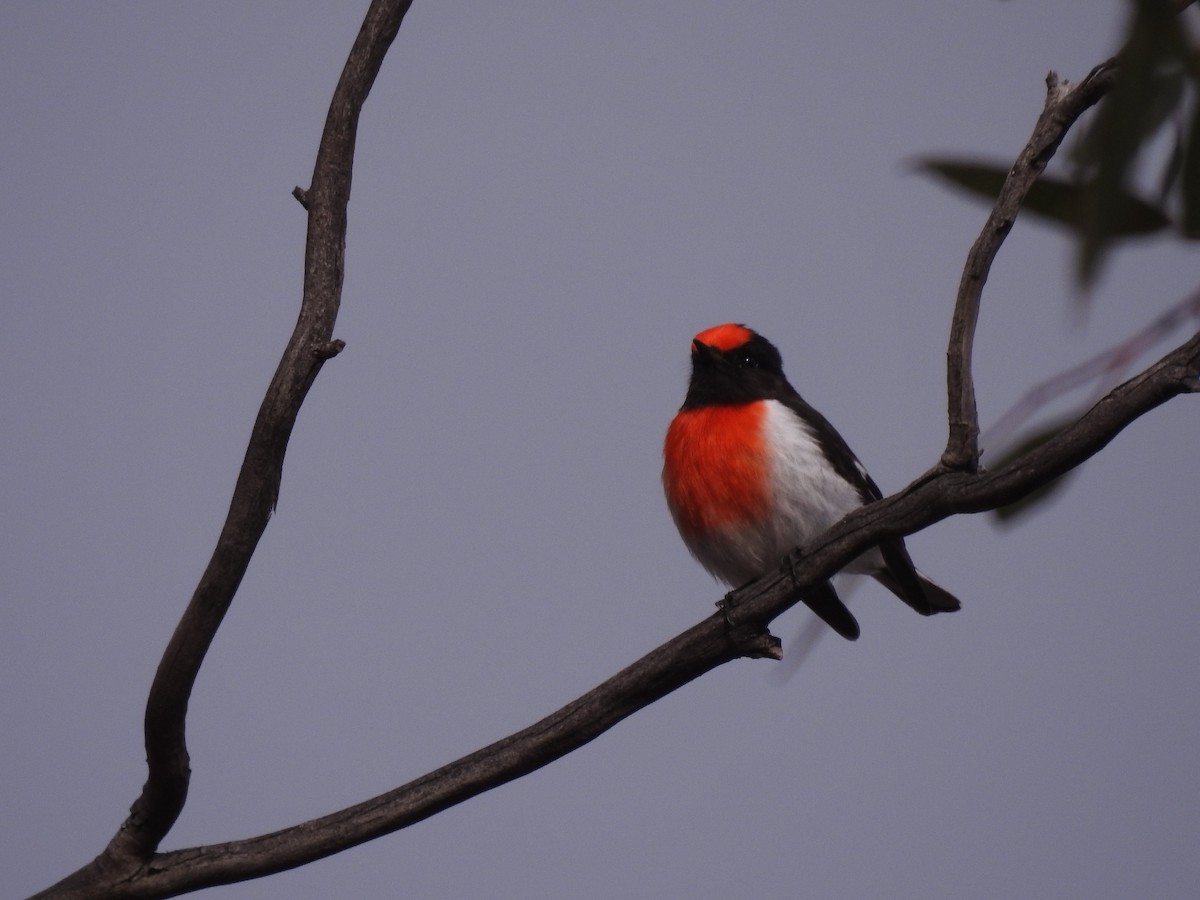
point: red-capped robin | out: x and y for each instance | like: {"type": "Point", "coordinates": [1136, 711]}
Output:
{"type": "Point", "coordinates": [751, 471]}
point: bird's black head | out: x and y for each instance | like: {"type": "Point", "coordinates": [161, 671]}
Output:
{"type": "Point", "coordinates": [732, 365]}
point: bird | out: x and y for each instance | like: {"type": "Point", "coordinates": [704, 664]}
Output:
{"type": "Point", "coordinates": [752, 471]}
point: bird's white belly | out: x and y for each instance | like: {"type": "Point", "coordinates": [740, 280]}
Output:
{"type": "Point", "coordinates": [808, 495]}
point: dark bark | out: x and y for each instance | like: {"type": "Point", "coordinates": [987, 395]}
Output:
{"type": "Point", "coordinates": [722, 637]}
{"type": "Point", "coordinates": [132, 867]}
{"type": "Point", "coordinates": [1064, 104]}
{"type": "Point", "coordinates": [257, 487]}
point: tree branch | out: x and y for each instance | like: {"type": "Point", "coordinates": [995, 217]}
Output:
{"type": "Point", "coordinates": [718, 639]}
{"type": "Point", "coordinates": [131, 867]}
{"type": "Point", "coordinates": [1065, 102]}
{"type": "Point", "coordinates": [257, 488]}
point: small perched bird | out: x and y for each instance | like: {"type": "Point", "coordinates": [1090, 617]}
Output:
{"type": "Point", "coordinates": [751, 471]}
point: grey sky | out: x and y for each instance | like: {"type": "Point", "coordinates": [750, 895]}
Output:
{"type": "Point", "coordinates": [549, 200]}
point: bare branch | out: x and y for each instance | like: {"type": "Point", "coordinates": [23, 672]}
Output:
{"type": "Point", "coordinates": [257, 486]}
{"type": "Point", "coordinates": [701, 648]}
{"type": "Point", "coordinates": [931, 499]}
{"type": "Point", "coordinates": [1065, 102]}
{"type": "Point", "coordinates": [131, 867]}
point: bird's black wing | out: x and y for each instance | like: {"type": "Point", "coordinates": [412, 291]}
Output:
{"type": "Point", "coordinates": [904, 581]}
{"type": "Point", "coordinates": [836, 450]}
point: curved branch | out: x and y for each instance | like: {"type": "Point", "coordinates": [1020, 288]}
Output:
{"type": "Point", "coordinates": [1065, 102]}
{"type": "Point", "coordinates": [933, 498]}
{"type": "Point", "coordinates": [130, 866]}
{"type": "Point", "coordinates": [257, 487]}
{"type": "Point", "coordinates": [718, 639]}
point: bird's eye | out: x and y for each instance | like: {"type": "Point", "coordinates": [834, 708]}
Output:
{"type": "Point", "coordinates": [746, 361]}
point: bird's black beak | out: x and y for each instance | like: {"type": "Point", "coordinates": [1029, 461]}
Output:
{"type": "Point", "coordinates": [700, 350]}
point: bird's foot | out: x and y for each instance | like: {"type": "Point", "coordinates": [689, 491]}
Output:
{"type": "Point", "coordinates": [752, 640]}
{"type": "Point", "coordinates": [726, 605]}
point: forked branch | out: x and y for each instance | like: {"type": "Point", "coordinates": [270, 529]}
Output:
{"type": "Point", "coordinates": [701, 648]}
{"type": "Point", "coordinates": [131, 867]}
{"type": "Point", "coordinates": [257, 486]}
{"type": "Point", "coordinates": [1065, 102]}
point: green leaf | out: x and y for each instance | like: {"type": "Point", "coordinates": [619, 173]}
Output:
{"type": "Point", "coordinates": [1189, 182]}
{"type": "Point", "coordinates": [1050, 199]}
{"type": "Point", "coordinates": [1148, 89]}
{"type": "Point", "coordinates": [1168, 179]}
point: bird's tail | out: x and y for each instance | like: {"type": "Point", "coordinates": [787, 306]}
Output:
{"type": "Point", "coordinates": [936, 600]}
{"type": "Point", "coordinates": [940, 599]}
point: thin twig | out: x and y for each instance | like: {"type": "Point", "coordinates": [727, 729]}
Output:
{"type": "Point", "coordinates": [1065, 102]}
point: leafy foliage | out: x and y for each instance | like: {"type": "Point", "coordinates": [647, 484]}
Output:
{"type": "Point", "coordinates": [1051, 199]}
{"type": "Point", "coordinates": [1158, 93]}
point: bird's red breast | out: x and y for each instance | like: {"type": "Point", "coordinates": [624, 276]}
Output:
{"type": "Point", "coordinates": [715, 467]}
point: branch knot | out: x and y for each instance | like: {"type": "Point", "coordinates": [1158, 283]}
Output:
{"type": "Point", "coordinates": [329, 350]}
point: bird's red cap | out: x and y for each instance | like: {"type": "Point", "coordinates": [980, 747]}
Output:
{"type": "Point", "coordinates": [724, 337]}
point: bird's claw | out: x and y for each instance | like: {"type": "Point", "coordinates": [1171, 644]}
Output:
{"type": "Point", "coordinates": [726, 605]}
